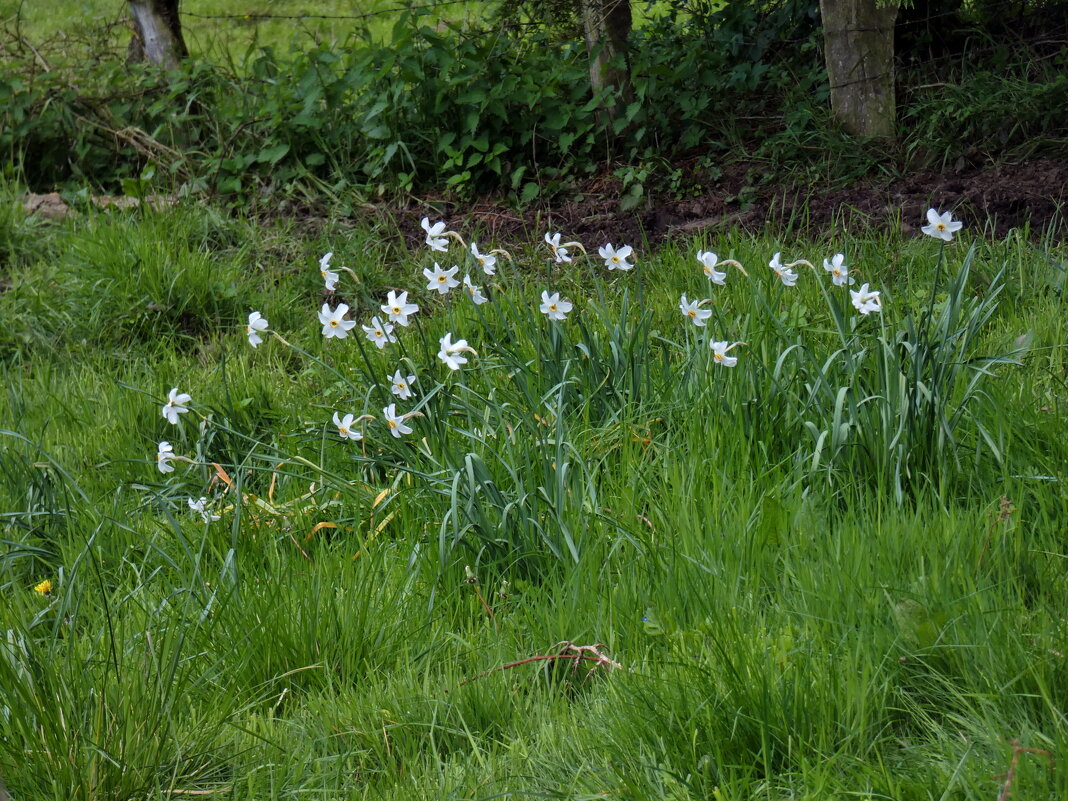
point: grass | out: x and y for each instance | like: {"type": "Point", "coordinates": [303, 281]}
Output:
{"type": "Point", "coordinates": [225, 31]}
{"type": "Point", "coordinates": [796, 614]}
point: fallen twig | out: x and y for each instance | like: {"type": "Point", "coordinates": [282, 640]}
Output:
{"type": "Point", "coordinates": [569, 651]}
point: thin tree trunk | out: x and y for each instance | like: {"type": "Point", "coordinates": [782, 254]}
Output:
{"type": "Point", "coordinates": [858, 41]}
{"type": "Point", "coordinates": [607, 24]}
{"type": "Point", "coordinates": [157, 33]}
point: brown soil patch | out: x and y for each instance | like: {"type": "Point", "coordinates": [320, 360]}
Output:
{"type": "Point", "coordinates": [993, 199]}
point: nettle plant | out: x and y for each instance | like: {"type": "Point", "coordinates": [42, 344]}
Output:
{"type": "Point", "coordinates": [496, 415]}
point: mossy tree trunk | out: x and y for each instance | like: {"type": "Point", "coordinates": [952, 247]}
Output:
{"type": "Point", "coordinates": [607, 24]}
{"type": "Point", "coordinates": [858, 41]}
{"type": "Point", "coordinates": [157, 33]}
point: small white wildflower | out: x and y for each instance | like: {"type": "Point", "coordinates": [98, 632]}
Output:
{"type": "Point", "coordinates": [866, 301]}
{"type": "Point", "coordinates": [693, 310]}
{"type": "Point", "coordinates": [441, 280]}
{"type": "Point", "coordinates": [256, 324]}
{"type": "Point", "coordinates": [786, 275]}
{"type": "Point", "coordinates": [345, 427]}
{"type": "Point", "coordinates": [433, 235]}
{"type": "Point", "coordinates": [175, 405]}
{"type": "Point", "coordinates": [941, 226]}
{"type": "Point", "coordinates": [553, 307]}
{"type": "Point", "coordinates": [329, 276]}
{"type": "Point", "coordinates": [164, 455]}
{"type": "Point", "coordinates": [401, 385]}
{"type": "Point", "coordinates": [839, 272]}
{"type": "Point", "coordinates": [333, 324]}
{"type": "Point", "coordinates": [709, 260]}
{"type": "Point", "coordinates": [487, 261]}
{"type": "Point", "coordinates": [719, 353]}
{"type": "Point", "coordinates": [616, 259]}
{"type": "Point", "coordinates": [473, 291]}
{"type": "Point", "coordinates": [452, 352]}
{"type": "Point", "coordinates": [379, 332]}
{"type": "Point", "coordinates": [398, 308]}
{"type": "Point", "coordinates": [559, 253]}
{"type": "Point", "coordinates": [395, 421]}
{"type": "Point", "coordinates": [200, 507]}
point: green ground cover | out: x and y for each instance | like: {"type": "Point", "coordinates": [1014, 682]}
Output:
{"type": "Point", "coordinates": [223, 31]}
{"type": "Point", "coordinates": [836, 569]}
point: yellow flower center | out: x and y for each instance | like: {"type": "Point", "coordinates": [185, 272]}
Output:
{"type": "Point", "coordinates": [248, 329]}
{"type": "Point", "coordinates": [400, 386]}
{"type": "Point", "coordinates": [552, 307]}
{"type": "Point", "coordinates": [391, 423]}
{"type": "Point", "coordinates": [692, 312]}
{"type": "Point", "coordinates": [615, 259]}
{"type": "Point", "coordinates": [717, 356]}
{"type": "Point", "coordinates": [941, 226]}
{"type": "Point", "coordinates": [442, 279]}
{"type": "Point", "coordinates": [333, 323]}
{"type": "Point", "coordinates": [344, 431]}
{"type": "Point", "coordinates": [396, 309]}
{"type": "Point", "coordinates": [378, 333]}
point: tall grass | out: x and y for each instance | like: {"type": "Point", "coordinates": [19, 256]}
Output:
{"type": "Point", "coordinates": [833, 571]}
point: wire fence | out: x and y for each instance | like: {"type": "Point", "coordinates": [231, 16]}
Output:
{"type": "Point", "coordinates": [107, 39]}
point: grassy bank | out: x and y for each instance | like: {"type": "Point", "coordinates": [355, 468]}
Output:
{"type": "Point", "coordinates": [832, 570]}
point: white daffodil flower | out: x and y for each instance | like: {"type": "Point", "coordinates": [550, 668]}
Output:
{"type": "Point", "coordinates": [329, 276]}
{"type": "Point", "coordinates": [473, 291]}
{"type": "Point", "coordinates": [559, 253]}
{"type": "Point", "coordinates": [345, 427]}
{"type": "Point", "coordinates": [333, 324]}
{"type": "Point", "coordinates": [719, 353]}
{"type": "Point", "coordinates": [398, 308]}
{"type": "Point", "coordinates": [395, 421]}
{"type": "Point", "coordinates": [379, 332]}
{"type": "Point", "coordinates": [866, 301]}
{"type": "Point", "coordinates": [452, 352]}
{"type": "Point", "coordinates": [401, 385]}
{"type": "Point", "coordinates": [256, 324]}
{"type": "Point", "coordinates": [616, 259]}
{"type": "Point", "coordinates": [786, 275]}
{"type": "Point", "coordinates": [433, 235]}
{"type": "Point", "coordinates": [164, 455]}
{"type": "Point", "coordinates": [487, 261]}
{"type": "Point", "coordinates": [709, 260]}
{"type": "Point", "coordinates": [941, 226]}
{"type": "Point", "coordinates": [553, 307]}
{"type": "Point", "coordinates": [175, 405]}
{"type": "Point", "coordinates": [839, 272]}
{"type": "Point", "coordinates": [693, 310]}
{"type": "Point", "coordinates": [441, 280]}
{"type": "Point", "coordinates": [201, 508]}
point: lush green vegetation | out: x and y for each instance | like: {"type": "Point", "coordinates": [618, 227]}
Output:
{"type": "Point", "coordinates": [834, 570]}
{"type": "Point", "coordinates": [441, 98]}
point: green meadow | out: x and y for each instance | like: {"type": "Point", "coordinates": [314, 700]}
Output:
{"type": "Point", "coordinates": [603, 564]}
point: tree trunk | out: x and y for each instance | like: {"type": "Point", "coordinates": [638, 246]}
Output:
{"type": "Point", "coordinates": [157, 33]}
{"type": "Point", "coordinates": [858, 42]}
{"type": "Point", "coordinates": [607, 24]}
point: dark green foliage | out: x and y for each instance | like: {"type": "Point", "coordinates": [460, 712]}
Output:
{"type": "Point", "coordinates": [508, 108]}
